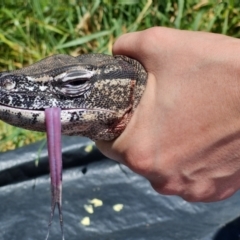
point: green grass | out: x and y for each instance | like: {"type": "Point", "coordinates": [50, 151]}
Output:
{"type": "Point", "coordinates": [32, 30]}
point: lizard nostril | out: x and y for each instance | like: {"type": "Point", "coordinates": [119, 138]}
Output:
{"type": "Point", "coordinates": [8, 84]}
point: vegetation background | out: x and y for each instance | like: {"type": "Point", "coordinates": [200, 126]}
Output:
{"type": "Point", "coordinates": [31, 30]}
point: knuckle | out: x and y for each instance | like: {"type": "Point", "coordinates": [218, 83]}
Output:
{"type": "Point", "coordinates": [140, 165]}
{"type": "Point", "coordinates": [206, 192]}
{"type": "Point", "coordinates": [198, 193]}
{"type": "Point", "coordinates": [225, 195]}
{"type": "Point", "coordinates": [165, 188]}
{"type": "Point", "coordinates": [144, 161]}
{"type": "Point", "coordinates": [147, 38]}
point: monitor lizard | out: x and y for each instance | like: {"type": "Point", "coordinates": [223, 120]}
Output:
{"type": "Point", "coordinates": [92, 95]}
{"type": "Point", "coordinates": [97, 94]}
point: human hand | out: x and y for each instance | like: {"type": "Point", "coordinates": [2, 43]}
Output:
{"type": "Point", "coordinates": [184, 136]}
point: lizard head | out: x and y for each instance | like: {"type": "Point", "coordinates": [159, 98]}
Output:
{"type": "Point", "coordinates": [97, 94]}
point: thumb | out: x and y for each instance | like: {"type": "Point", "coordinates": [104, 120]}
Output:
{"type": "Point", "coordinates": [128, 44]}
{"type": "Point", "coordinates": [133, 45]}
{"type": "Point", "coordinates": [142, 46]}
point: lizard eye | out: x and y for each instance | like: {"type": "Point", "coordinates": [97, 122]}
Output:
{"type": "Point", "coordinates": [76, 82]}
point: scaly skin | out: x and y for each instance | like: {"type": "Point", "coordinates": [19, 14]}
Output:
{"type": "Point", "coordinates": [92, 95]}
{"type": "Point", "coordinates": [97, 94]}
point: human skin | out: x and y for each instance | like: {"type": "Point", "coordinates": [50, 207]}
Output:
{"type": "Point", "coordinates": [184, 136]}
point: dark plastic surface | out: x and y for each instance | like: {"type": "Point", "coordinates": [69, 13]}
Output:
{"type": "Point", "coordinates": [25, 201]}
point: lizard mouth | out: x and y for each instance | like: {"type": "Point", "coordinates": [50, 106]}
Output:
{"type": "Point", "coordinates": [41, 110]}
{"type": "Point", "coordinates": [74, 121]}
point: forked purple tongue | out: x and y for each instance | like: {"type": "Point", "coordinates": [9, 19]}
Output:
{"type": "Point", "coordinates": [53, 127]}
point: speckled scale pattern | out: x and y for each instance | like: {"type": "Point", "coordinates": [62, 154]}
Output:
{"type": "Point", "coordinates": [97, 94]}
